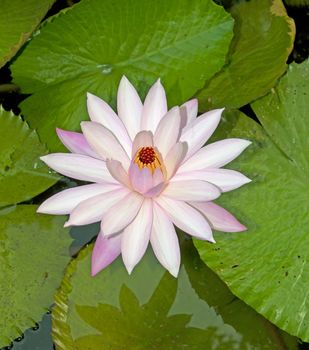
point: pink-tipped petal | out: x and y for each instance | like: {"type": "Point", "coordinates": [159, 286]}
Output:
{"type": "Point", "coordinates": [219, 218]}
{"type": "Point", "coordinates": [174, 158]}
{"type": "Point", "coordinates": [76, 143]}
{"type": "Point", "coordinates": [167, 132]}
{"type": "Point", "coordinates": [155, 107]}
{"type": "Point", "coordinates": [120, 215]}
{"type": "Point", "coordinates": [65, 201]}
{"type": "Point", "coordinates": [186, 218]}
{"type": "Point", "coordinates": [142, 139]}
{"type": "Point", "coordinates": [92, 210]}
{"type": "Point", "coordinates": [225, 179]}
{"type": "Point", "coordinates": [200, 130]}
{"type": "Point", "coordinates": [164, 241]}
{"type": "Point", "coordinates": [118, 173]}
{"type": "Point", "coordinates": [191, 190]}
{"type": "Point", "coordinates": [78, 166]}
{"type": "Point", "coordinates": [215, 155]}
{"type": "Point", "coordinates": [129, 107]}
{"type": "Point", "coordinates": [104, 142]}
{"type": "Point", "coordinates": [100, 112]}
{"type": "Point", "coordinates": [189, 111]}
{"type": "Point", "coordinates": [136, 236]}
{"type": "Point", "coordinates": [105, 251]}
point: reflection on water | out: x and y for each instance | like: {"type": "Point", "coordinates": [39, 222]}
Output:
{"type": "Point", "coordinates": [152, 310]}
{"type": "Point", "coordinates": [38, 338]}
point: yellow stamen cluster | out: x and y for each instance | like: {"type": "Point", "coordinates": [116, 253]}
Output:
{"type": "Point", "coordinates": [147, 157]}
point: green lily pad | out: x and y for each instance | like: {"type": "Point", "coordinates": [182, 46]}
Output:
{"type": "Point", "coordinates": [22, 174]}
{"type": "Point", "coordinates": [18, 19]}
{"type": "Point", "coordinates": [268, 266]}
{"type": "Point", "coordinates": [98, 41]}
{"type": "Point", "coordinates": [34, 250]}
{"type": "Point", "coordinates": [263, 40]}
{"type": "Point", "coordinates": [152, 310]}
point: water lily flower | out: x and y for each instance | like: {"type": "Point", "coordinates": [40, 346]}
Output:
{"type": "Point", "coordinates": [148, 171]}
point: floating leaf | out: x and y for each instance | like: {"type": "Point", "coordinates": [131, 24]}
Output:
{"type": "Point", "coordinates": [152, 310]}
{"type": "Point", "coordinates": [263, 40]}
{"type": "Point", "coordinates": [97, 41]}
{"type": "Point", "coordinates": [33, 255]}
{"type": "Point", "coordinates": [268, 266]}
{"type": "Point", "coordinates": [22, 174]}
{"type": "Point", "coordinates": [18, 19]}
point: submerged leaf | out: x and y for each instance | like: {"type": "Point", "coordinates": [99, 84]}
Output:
{"type": "Point", "coordinates": [152, 310]}
{"type": "Point", "coordinates": [34, 250]}
{"type": "Point", "coordinates": [268, 266]}
{"type": "Point", "coordinates": [22, 174]}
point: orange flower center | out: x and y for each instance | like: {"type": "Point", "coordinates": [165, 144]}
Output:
{"type": "Point", "coordinates": [147, 157]}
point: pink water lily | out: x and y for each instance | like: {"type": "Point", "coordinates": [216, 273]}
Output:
{"type": "Point", "coordinates": [149, 171]}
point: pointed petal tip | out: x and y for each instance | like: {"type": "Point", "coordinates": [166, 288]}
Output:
{"type": "Point", "coordinates": [124, 80]}
{"type": "Point", "coordinates": [44, 158]}
{"type": "Point", "coordinates": [89, 95]}
{"type": "Point", "coordinates": [174, 270]}
{"type": "Point", "coordinates": [242, 228]}
{"type": "Point", "coordinates": [40, 210]}
{"type": "Point", "coordinates": [129, 269]}
{"type": "Point", "coordinates": [67, 224]}
{"type": "Point", "coordinates": [94, 269]}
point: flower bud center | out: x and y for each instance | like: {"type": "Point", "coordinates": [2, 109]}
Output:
{"type": "Point", "coordinates": [147, 157]}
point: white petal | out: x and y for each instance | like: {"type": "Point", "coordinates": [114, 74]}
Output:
{"type": "Point", "coordinates": [78, 167]}
{"type": "Point", "coordinates": [136, 236]}
{"type": "Point", "coordinates": [174, 158]}
{"type": "Point", "coordinates": [191, 190]}
{"type": "Point", "coordinates": [65, 201]}
{"type": "Point", "coordinates": [225, 179]}
{"type": "Point", "coordinates": [155, 107]}
{"type": "Point", "coordinates": [92, 210]}
{"type": "Point", "coordinates": [164, 241]}
{"type": "Point", "coordinates": [219, 218]}
{"type": "Point", "coordinates": [100, 112]}
{"type": "Point", "coordinates": [129, 107]}
{"type": "Point", "coordinates": [104, 142]}
{"type": "Point", "coordinates": [105, 251]}
{"type": "Point", "coordinates": [199, 131]}
{"type": "Point", "coordinates": [76, 143]}
{"type": "Point", "coordinates": [186, 218]}
{"type": "Point", "coordinates": [121, 214]}
{"type": "Point", "coordinates": [118, 173]}
{"type": "Point", "coordinates": [189, 111]}
{"type": "Point", "coordinates": [167, 132]}
{"type": "Point", "coordinates": [215, 155]}
{"type": "Point", "coordinates": [142, 139]}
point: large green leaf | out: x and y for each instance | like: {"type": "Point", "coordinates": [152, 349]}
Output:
{"type": "Point", "coordinates": [18, 19]}
{"type": "Point", "coordinates": [34, 250]}
{"type": "Point", "coordinates": [268, 266]}
{"type": "Point", "coordinates": [22, 174]}
{"type": "Point", "coordinates": [182, 41]}
{"type": "Point", "coordinates": [263, 40]}
{"type": "Point", "coordinates": [153, 310]}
